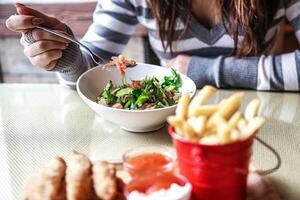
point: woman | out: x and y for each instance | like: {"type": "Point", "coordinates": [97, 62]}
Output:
{"type": "Point", "coordinates": [218, 42]}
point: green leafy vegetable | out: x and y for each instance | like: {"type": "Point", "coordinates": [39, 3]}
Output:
{"type": "Point", "coordinates": [173, 80]}
{"type": "Point", "coordinates": [143, 98]}
{"type": "Point", "coordinates": [149, 93]}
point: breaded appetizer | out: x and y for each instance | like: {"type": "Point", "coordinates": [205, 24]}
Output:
{"type": "Point", "coordinates": [106, 184]}
{"type": "Point", "coordinates": [79, 177]}
{"type": "Point", "coordinates": [49, 183]}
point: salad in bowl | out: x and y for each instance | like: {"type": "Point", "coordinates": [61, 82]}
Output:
{"type": "Point", "coordinates": [148, 93]}
{"type": "Point", "coordinates": [139, 100]}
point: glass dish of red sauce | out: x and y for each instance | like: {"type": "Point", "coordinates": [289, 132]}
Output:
{"type": "Point", "coordinates": [151, 169]}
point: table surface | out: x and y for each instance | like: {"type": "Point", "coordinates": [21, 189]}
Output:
{"type": "Point", "coordinates": [40, 121]}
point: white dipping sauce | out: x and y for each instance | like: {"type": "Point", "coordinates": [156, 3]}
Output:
{"type": "Point", "coordinates": [175, 192]}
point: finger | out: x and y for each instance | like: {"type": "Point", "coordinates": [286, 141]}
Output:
{"type": "Point", "coordinates": [22, 22]}
{"type": "Point", "coordinates": [51, 65]}
{"type": "Point", "coordinates": [23, 42]}
{"type": "Point", "coordinates": [42, 46]}
{"type": "Point", "coordinates": [39, 34]}
{"type": "Point", "coordinates": [51, 22]}
{"type": "Point", "coordinates": [44, 59]}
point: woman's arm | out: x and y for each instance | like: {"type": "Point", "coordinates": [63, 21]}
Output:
{"type": "Point", "coordinates": [279, 73]}
{"type": "Point", "coordinates": [275, 73]}
{"type": "Point", "coordinates": [114, 21]}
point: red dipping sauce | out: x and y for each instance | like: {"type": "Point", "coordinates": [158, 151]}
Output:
{"type": "Point", "coordinates": [150, 170]}
{"type": "Point", "coordinates": [148, 162]}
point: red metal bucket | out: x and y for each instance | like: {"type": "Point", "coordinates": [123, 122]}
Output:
{"type": "Point", "coordinates": [216, 172]}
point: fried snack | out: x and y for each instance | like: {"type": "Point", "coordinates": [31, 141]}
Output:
{"type": "Point", "coordinates": [205, 110]}
{"type": "Point", "coordinates": [177, 122]}
{"type": "Point", "coordinates": [252, 109]}
{"type": "Point", "coordinates": [222, 102]}
{"type": "Point", "coordinates": [233, 121]}
{"type": "Point", "coordinates": [182, 106]}
{"type": "Point", "coordinates": [198, 124]}
{"type": "Point", "coordinates": [221, 123]}
{"type": "Point", "coordinates": [49, 183]}
{"type": "Point", "coordinates": [231, 105]}
{"type": "Point", "coordinates": [242, 123]}
{"type": "Point", "coordinates": [252, 126]}
{"type": "Point", "coordinates": [223, 128]}
{"type": "Point", "coordinates": [105, 180]}
{"type": "Point", "coordinates": [210, 140]}
{"type": "Point", "coordinates": [79, 177]}
{"type": "Point", "coordinates": [188, 131]}
{"type": "Point", "coordinates": [201, 98]}
{"type": "Point", "coordinates": [235, 135]}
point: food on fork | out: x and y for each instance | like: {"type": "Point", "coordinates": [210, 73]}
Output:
{"type": "Point", "coordinates": [213, 124]}
{"type": "Point", "coordinates": [121, 63]}
{"type": "Point", "coordinates": [49, 183]}
{"type": "Point", "coordinates": [79, 177]}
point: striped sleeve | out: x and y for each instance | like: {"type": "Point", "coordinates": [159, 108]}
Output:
{"type": "Point", "coordinates": [282, 72]}
{"type": "Point", "coordinates": [268, 73]}
{"type": "Point", "coordinates": [114, 21]}
{"type": "Point", "coordinates": [293, 15]}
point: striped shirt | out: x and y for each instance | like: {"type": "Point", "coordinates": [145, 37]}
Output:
{"type": "Point", "coordinates": [114, 21]}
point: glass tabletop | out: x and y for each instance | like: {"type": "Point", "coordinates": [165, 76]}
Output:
{"type": "Point", "coordinates": [39, 121]}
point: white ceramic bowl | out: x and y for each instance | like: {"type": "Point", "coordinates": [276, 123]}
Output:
{"type": "Point", "coordinates": [91, 84]}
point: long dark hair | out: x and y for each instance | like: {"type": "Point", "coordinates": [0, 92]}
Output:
{"type": "Point", "coordinates": [253, 17]}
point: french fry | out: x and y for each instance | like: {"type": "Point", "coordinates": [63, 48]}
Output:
{"type": "Point", "coordinates": [200, 98]}
{"type": "Point", "coordinates": [223, 132]}
{"type": "Point", "coordinates": [252, 109]}
{"type": "Point", "coordinates": [235, 135]}
{"type": "Point", "coordinates": [198, 124]}
{"type": "Point", "coordinates": [223, 129]}
{"type": "Point", "coordinates": [182, 107]}
{"type": "Point", "coordinates": [205, 110]}
{"type": "Point", "coordinates": [252, 127]}
{"type": "Point", "coordinates": [188, 131]}
{"type": "Point", "coordinates": [242, 123]}
{"type": "Point", "coordinates": [220, 123]}
{"type": "Point", "coordinates": [177, 122]}
{"type": "Point", "coordinates": [234, 119]}
{"type": "Point", "coordinates": [222, 102]}
{"type": "Point", "coordinates": [210, 140]}
{"type": "Point", "coordinates": [230, 106]}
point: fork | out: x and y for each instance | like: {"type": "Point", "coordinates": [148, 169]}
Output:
{"type": "Point", "coordinates": [97, 59]}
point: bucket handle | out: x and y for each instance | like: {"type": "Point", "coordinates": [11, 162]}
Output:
{"type": "Point", "coordinates": [275, 153]}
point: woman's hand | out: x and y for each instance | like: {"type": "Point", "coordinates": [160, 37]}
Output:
{"type": "Point", "coordinates": [180, 63]}
{"type": "Point", "coordinates": [43, 49]}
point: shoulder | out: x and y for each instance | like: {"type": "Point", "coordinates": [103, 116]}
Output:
{"type": "Point", "coordinates": [292, 9]}
{"type": "Point", "coordinates": [290, 3]}
{"type": "Point", "coordinates": [132, 3]}
{"type": "Point", "coordinates": [139, 3]}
